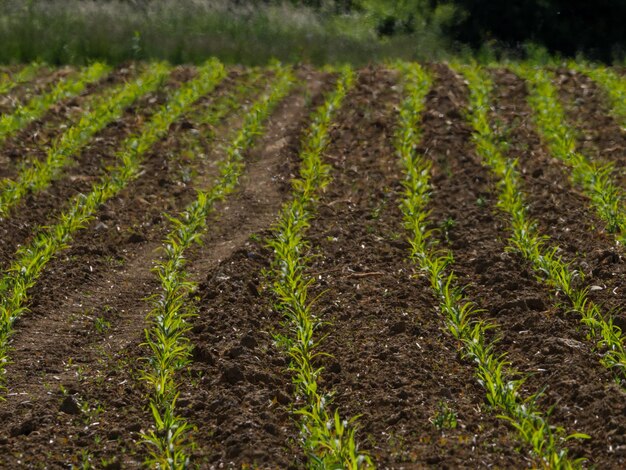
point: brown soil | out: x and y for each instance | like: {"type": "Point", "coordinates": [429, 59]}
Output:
{"type": "Point", "coordinates": [74, 391]}
{"type": "Point", "coordinates": [600, 137]}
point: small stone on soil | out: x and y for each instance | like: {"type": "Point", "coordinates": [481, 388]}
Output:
{"type": "Point", "coordinates": [202, 354]}
{"type": "Point", "coordinates": [232, 375]}
{"type": "Point", "coordinates": [248, 341]}
{"type": "Point", "coordinates": [70, 406]}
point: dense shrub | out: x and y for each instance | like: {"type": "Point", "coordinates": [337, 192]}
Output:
{"type": "Point", "coordinates": [567, 27]}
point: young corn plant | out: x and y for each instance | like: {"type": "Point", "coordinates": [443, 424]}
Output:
{"type": "Point", "coordinates": [612, 85]}
{"type": "Point", "coordinates": [37, 175]}
{"type": "Point", "coordinates": [328, 440]}
{"type": "Point", "coordinates": [492, 369]}
{"type": "Point", "coordinates": [166, 336]}
{"type": "Point", "coordinates": [26, 73]}
{"type": "Point", "coordinates": [594, 179]}
{"type": "Point", "coordinates": [525, 239]}
{"type": "Point", "coordinates": [35, 108]}
{"type": "Point", "coordinates": [31, 259]}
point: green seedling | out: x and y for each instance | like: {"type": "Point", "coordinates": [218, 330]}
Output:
{"type": "Point", "coordinates": [446, 226]}
{"type": "Point", "coordinates": [101, 325]}
{"type": "Point", "coordinates": [445, 418]}
{"type": "Point", "coordinates": [329, 441]}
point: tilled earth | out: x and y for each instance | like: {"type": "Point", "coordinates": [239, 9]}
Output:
{"type": "Point", "coordinates": [74, 388]}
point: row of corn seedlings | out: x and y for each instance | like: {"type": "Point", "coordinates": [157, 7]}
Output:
{"type": "Point", "coordinates": [594, 178]}
{"type": "Point", "coordinates": [26, 73]}
{"type": "Point", "coordinates": [525, 238]}
{"type": "Point", "coordinates": [36, 107]}
{"type": "Point", "coordinates": [38, 175]}
{"type": "Point", "coordinates": [169, 440]}
{"type": "Point", "coordinates": [493, 370]}
{"type": "Point", "coordinates": [329, 441]}
{"type": "Point", "coordinates": [611, 84]}
{"type": "Point", "coordinates": [31, 259]}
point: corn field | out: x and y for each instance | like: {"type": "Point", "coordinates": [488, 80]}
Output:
{"type": "Point", "coordinates": [401, 266]}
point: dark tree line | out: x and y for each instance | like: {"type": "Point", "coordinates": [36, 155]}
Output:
{"type": "Point", "coordinates": [593, 27]}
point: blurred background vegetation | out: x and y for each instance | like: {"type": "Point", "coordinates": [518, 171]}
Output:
{"type": "Point", "coordinates": [316, 31]}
